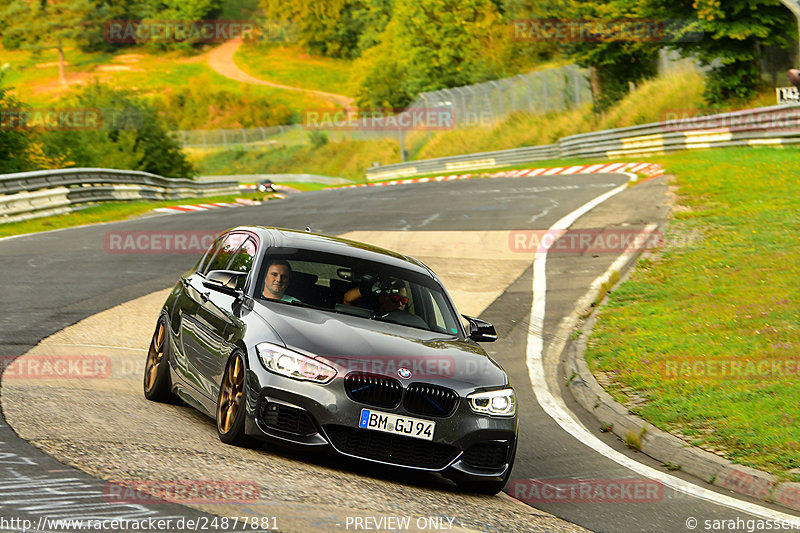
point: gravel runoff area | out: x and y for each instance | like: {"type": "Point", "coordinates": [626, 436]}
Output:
{"type": "Point", "coordinates": [104, 426]}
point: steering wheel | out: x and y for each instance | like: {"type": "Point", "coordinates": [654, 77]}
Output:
{"type": "Point", "coordinates": [405, 318]}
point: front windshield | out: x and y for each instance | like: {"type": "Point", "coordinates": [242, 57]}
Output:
{"type": "Point", "coordinates": [356, 287]}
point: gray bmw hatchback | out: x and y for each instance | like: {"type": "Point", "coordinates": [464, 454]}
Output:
{"type": "Point", "coordinates": [322, 342]}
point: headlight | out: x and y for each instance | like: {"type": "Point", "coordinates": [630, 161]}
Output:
{"type": "Point", "coordinates": [294, 365]}
{"type": "Point", "coordinates": [498, 402]}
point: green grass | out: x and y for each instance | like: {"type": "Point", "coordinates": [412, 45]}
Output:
{"type": "Point", "coordinates": [290, 65]}
{"type": "Point", "coordinates": [348, 160]}
{"type": "Point", "coordinates": [106, 212]}
{"type": "Point", "coordinates": [723, 289]}
{"type": "Point", "coordinates": [146, 72]}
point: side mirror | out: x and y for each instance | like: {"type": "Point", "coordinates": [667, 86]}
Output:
{"type": "Point", "coordinates": [225, 281]}
{"type": "Point", "coordinates": [480, 330]}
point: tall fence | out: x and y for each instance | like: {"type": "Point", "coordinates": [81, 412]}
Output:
{"type": "Point", "coordinates": [483, 104]}
{"type": "Point", "coordinates": [28, 195]}
{"type": "Point", "coordinates": [555, 89]}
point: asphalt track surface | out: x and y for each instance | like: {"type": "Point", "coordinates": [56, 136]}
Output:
{"type": "Point", "coordinates": [55, 279]}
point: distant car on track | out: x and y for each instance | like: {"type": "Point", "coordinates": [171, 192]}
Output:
{"type": "Point", "coordinates": [266, 186]}
{"type": "Point", "coordinates": [393, 377]}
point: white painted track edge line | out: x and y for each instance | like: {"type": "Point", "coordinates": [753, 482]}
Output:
{"type": "Point", "coordinates": [554, 406]}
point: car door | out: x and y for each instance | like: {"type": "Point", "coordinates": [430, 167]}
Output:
{"type": "Point", "coordinates": [216, 318]}
{"type": "Point", "coordinates": [190, 296]}
{"type": "Point", "coordinates": [200, 329]}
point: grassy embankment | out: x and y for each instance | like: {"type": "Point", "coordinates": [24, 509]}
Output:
{"type": "Point", "coordinates": [724, 293]}
{"type": "Point", "coordinates": [681, 92]}
{"type": "Point", "coordinates": [153, 75]}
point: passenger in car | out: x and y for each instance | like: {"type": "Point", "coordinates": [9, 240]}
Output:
{"type": "Point", "coordinates": [387, 297]}
{"type": "Point", "coordinates": [276, 281]}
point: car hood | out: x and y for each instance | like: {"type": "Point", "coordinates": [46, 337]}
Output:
{"type": "Point", "coordinates": [356, 344]}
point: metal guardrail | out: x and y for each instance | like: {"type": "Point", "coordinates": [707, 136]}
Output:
{"type": "Point", "coordinates": [774, 125]}
{"type": "Point", "coordinates": [28, 195]}
{"type": "Point", "coordinates": [282, 178]}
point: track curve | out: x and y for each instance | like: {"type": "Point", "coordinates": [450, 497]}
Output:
{"type": "Point", "coordinates": [89, 280]}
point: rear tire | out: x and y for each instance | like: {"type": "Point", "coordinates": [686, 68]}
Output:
{"type": "Point", "coordinates": [231, 409]}
{"type": "Point", "coordinates": [157, 383]}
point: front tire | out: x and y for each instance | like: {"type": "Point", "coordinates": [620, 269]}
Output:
{"type": "Point", "coordinates": [231, 403]}
{"type": "Point", "coordinates": [157, 384]}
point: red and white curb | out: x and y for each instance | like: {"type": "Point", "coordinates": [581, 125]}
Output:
{"type": "Point", "coordinates": [650, 170]}
{"type": "Point", "coordinates": [187, 208]}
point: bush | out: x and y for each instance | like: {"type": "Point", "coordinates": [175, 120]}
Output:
{"type": "Point", "coordinates": [131, 136]}
{"type": "Point", "coordinates": [317, 139]}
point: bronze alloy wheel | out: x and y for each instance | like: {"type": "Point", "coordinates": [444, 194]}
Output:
{"type": "Point", "coordinates": [157, 383]}
{"type": "Point", "coordinates": [230, 395]}
{"type": "Point", "coordinates": [155, 355]}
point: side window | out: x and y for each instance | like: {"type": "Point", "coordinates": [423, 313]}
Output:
{"type": "Point", "coordinates": [224, 254]}
{"type": "Point", "coordinates": [212, 251]}
{"type": "Point", "coordinates": [243, 261]}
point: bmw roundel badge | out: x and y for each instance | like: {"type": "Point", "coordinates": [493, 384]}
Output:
{"type": "Point", "coordinates": [404, 373]}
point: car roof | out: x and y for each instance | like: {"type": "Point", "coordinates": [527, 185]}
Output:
{"type": "Point", "coordinates": [305, 240]}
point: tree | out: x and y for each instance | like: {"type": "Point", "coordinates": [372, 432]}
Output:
{"type": "Point", "coordinates": [733, 32]}
{"type": "Point", "coordinates": [14, 141]}
{"type": "Point", "coordinates": [334, 28]}
{"type": "Point", "coordinates": [45, 25]}
{"type": "Point", "coordinates": [131, 136]}
{"type": "Point", "coordinates": [21, 148]}
{"type": "Point", "coordinates": [615, 59]}
{"type": "Point", "coordinates": [448, 43]}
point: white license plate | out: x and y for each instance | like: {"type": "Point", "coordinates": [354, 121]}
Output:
{"type": "Point", "coordinates": [399, 425]}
